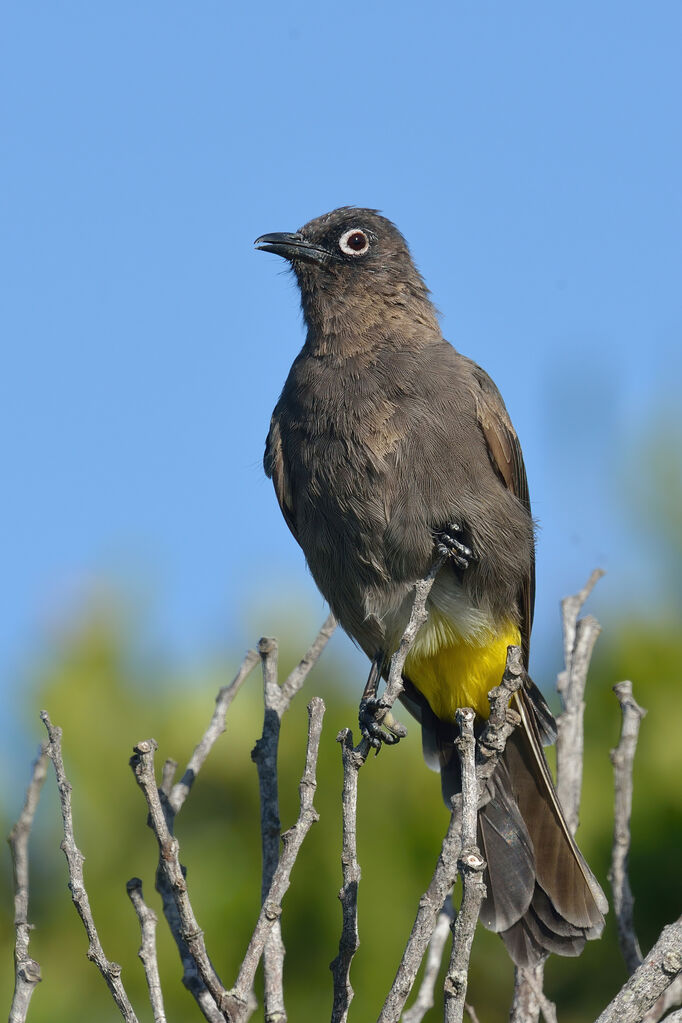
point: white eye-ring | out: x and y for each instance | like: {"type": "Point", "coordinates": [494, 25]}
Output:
{"type": "Point", "coordinates": [354, 242]}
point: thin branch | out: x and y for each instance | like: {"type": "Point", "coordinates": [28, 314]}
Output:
{"type": "Point", "coordinates": [348, 896]}
{"type": "Point", "coordinates": [425, 996]}
{"type": "Point", "coordinates": [265, 755]}
{"type": "Point", "coordinates": [622, 759]}
{"type": "Point", "coordinates": [580, 635]}
{"type": "Point", "coordinates": [658, 971]}
{"type": "Point", "coordinates": [147, 951]}
{"type": "Point", "coordinates": [172, 800]}
{"type": "Point", "coordinates": [471, 866]}
{"type": "Point", "coordinates": [26, 970]}
{"type": "Point", "coordinates": [297, 677]}
{"type": "Point", "coordinates": [74, 857]}
{"type": "Point", "coordinates": [142, 764]}
{"type": "Point", "coordinates": [277, 700]}
{"type": "Point", "coordinates": [291, 842]}
{"type": "Point", "coordinates": [215, 729]}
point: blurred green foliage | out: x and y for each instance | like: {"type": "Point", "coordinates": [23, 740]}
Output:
{"type": "Point", "coordinates": [106, 698]}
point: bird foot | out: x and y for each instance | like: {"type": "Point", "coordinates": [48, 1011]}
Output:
{"type": "Point", "coordinates": [378, 725]}
{"type": "Point", "coordinates": [449, 545]}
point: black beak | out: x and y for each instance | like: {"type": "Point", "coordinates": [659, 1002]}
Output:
{"type": "Point", "coordinates": [292, 247]}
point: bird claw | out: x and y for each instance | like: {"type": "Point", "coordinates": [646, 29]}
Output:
{"type": "Point", "coordinates": [378, 725]}
{"type": "Point", "coordinates": [450, 546]}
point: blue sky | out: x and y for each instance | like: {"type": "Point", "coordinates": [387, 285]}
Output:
{"type": "Point", "coordinates": [531, 153]}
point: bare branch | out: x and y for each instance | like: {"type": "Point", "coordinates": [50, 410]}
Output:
{"type": "Point", "coordinates": [291, 841]}
{"type": "Point", "coordinates": [580, 635]}
{"type": "Point", "coordinates": [297, 677]}
{"type": "Point", "coordinates": [277, 700]}
{"type": "Point", "coordinates": [471, 866]}
{"type": "Point", "coordinates": [215, 729]}
{"type": "Point", "coordinates": [425, 996]}
{"type": "Point", "coordinates": [74, 858]}
{"type": "Point", "coordinates": [26, 970]}
{"type": "Point", "coordinates": [622, 759]}
{"type": "Point", "coordinates": [658, 971]}
{"type": "Point", "coordinates": [348, 896]}
{"type": "Point", "coordinates": [671, 997]}
{"type": "Point", "coordinates": [147, 952]}
{"type": "Point", "coordinates": [142, 764]}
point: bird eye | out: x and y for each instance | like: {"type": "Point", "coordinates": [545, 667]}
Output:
{"type": "Point", "coordinates": [354, 242]}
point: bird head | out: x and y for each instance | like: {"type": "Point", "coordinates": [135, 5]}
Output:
{"type": "Point", "coordinates": [347, 261]}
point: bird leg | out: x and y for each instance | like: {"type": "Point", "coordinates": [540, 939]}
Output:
{"type": "Point", "coordinates": [377, 724]}
{"type": "Point", "coordinates": [449, 545]}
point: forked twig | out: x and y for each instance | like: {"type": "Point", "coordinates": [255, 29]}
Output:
{"type": "Point", "coordinates": [277, 700]}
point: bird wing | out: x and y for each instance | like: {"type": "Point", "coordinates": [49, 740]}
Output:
{"type": "Point", "coordinates": [507, 461]}
{"type": "Point", "coordinates": [275, 468]}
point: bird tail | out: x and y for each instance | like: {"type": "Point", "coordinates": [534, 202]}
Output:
{"type": "Point", "coordinates": [541, 895]}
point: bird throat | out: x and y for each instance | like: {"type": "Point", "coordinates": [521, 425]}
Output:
{"type": "Point", "coordinates": [452, 671]}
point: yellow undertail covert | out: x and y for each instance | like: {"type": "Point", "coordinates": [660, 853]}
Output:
{"type": "Point", "coordinates": [455, 672]}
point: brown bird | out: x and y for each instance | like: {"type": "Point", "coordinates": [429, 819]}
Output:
{"type": "Point", "coordinates": [386, 446]}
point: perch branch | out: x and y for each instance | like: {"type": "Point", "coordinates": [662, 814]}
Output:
{"type": "Point", "coordinates": [147, 951]}
{"type": "Point", "coordinates": [74, 858]}
{"type": "Point", "coordinates": [622, 759]}
{"type": "Point", "coordinates": [491, 743]}
{"type": "Point", "coordinates": [471, 866]}
{"type": "Point", "coordinates": [26, 970]}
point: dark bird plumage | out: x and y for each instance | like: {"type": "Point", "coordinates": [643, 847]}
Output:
{"type": "Point", "coordinates": [385, 440]}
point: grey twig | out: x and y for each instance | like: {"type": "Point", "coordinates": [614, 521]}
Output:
{"type": "Point", "coordinates": [529, 1000]}
{"type": "Point", "coordinates": [471, 866]}
{"type": "Point", "coordinates": [147, 952]}
{"type": "Point", "coordinates": [216, 727]}
{"type": "Point", "coordinates": [671, 997]}
{"type": "Point", "coordinates": [580, 635]}
{"type": "Point", "coordinates": [277, 700]}
{"type": "Point", "coordinates": [348, 896]}
{"type": "Point", "coordinates": [658, 971]}
{"type": "Point", "coordinates": [291, 843]}
{"type": "Point", "coordinates": [26, 970]}
{"type": "Point", "coordinates": [142, 764]}
{"type": "Point", "coordinates": [434, 956]}
{"type": "Point", "coordinates": [622, 759]}
{"type": "Point", "coordinates": [74, 858]}
{"type": "Point", "coordinates": [491, 743]}
{"type": "Point", "coordinates": [172, 799]}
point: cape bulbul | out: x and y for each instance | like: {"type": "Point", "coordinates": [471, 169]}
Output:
{"type": "Point", "coordinates": [384, 444]}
